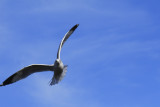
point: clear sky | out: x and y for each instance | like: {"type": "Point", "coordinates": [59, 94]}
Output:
{"type": "Point", "coordinates": [113, 57]}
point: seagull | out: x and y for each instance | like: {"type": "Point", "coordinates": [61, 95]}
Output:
{"type": "Point", "coordinates": [58, 67]}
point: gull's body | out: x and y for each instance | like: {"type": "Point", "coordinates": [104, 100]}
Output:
{"type": "Point", "coordinates": [58, 67]}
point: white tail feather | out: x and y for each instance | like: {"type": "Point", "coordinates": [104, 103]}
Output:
{"type": "Point", "coordinates": [58, 78]}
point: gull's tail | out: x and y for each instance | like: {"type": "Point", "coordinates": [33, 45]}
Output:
{"type": "Point", "coordinates": [59, 77]}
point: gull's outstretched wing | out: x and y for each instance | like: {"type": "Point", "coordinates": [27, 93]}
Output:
{"type": "Point", "coordinates": [66, 36]}
{"type": "Point", "coordinates": [26, 71]}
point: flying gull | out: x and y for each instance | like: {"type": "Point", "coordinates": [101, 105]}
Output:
{"type": "Point", "coordinates": [58, 68]}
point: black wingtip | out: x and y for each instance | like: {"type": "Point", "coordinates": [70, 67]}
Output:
{"type": "Point", "coordinates": [74, 27]}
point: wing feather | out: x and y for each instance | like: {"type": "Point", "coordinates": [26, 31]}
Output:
{"type": "Point", "coordinates": [26, 71]}
{"type": "Point", "coordinates": [66, 36]}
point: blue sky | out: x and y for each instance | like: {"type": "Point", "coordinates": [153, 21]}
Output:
{"type": "Point", "coordinates": [113, 57]}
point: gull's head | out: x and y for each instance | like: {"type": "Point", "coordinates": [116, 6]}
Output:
{"type": "Point", "coordinates": [58, 62]}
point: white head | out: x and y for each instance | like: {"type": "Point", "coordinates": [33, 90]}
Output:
{"type": "Point", "coordinates": [58, 62]}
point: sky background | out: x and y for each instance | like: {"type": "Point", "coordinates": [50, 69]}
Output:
{"type": "Point", "coordinates": [113, 57]}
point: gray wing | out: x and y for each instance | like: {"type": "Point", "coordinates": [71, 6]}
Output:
{"type": "Point", "coordinates": [26, 71]}
{"type": "Point", "coordinates": [66, 36]}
